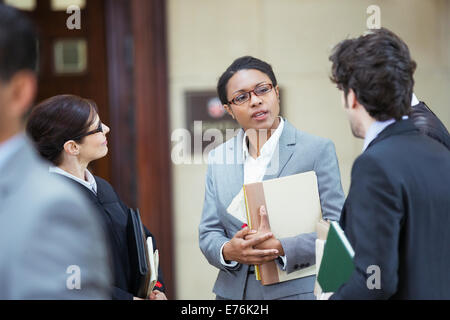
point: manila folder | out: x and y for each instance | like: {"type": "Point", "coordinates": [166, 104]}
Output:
{"type": "Point", "coordinates": [293, 207]}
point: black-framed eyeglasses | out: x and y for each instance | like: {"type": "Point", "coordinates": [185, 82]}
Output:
{"type": "Point", "coordinates": [243, 97]}
{"type": "Point", "coordinates": [99, 129]}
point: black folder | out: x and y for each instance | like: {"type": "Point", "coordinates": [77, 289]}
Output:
{"type": "Point", "coordinates": [137, 247]}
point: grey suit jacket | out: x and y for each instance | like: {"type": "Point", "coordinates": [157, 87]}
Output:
{"type": "Point", "coordinates": [298, 152]}
{"type": "Point", "coordinates": [46, 227]}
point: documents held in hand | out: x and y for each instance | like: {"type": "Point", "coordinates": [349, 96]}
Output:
{"type": "Point", "coordinates": [337, 265]}
{"type": "Point", "coordinates": [293, 206]}
{"type": "Point", "coordinates": [143, 258]}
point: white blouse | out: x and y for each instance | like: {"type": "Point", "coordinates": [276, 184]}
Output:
{"type": "Point", "coordinates": [88, 183]}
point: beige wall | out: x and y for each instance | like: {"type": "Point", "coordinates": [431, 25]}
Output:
{"type": "Point", "coordinates": [296, 37]}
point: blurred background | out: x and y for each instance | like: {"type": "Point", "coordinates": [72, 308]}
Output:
{"type": "Point", "coordinates": [152, 67]}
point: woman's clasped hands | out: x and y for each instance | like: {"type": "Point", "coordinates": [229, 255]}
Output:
{"type": "Point", "coordinates": [254, 246]}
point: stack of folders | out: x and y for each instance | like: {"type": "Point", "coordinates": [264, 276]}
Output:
{"type": "Point", "coordinates": [143, 258]}
{"type": "Point", "coordinates": [293, 206]}
{"type": "Point", "coordinates": [322, 232]}
{"type": "Point", "coordinates": [337, 265]}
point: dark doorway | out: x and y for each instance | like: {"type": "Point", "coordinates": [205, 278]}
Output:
{"type": "Point", "coordinates": [118, 59]}
{"type": "Point", "coordinates": [73, 61]}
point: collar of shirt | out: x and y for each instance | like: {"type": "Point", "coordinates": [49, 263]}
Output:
{"type": "Point", "coordinates": [254, 169]}
{"type": "Point", "coordinates": [91, 184]}
{"type": "Point", "coordinates": [269, 147]}
{"type": "Point", "coordinates": [10, 146]}
{"type": "Point", "coordinates": [414, 100]}
{"type": "Point", "coordinates": [375, 129]}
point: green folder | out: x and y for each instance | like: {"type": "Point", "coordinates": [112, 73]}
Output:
{"type": "Point", "coordinates": [337, 261]}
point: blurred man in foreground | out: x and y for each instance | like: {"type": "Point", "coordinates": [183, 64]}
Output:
{"type": "Point", "coordinates": [52, 246]}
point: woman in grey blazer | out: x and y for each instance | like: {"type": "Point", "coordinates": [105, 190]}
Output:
{"type": "Point", "coordinates": [267, 147]}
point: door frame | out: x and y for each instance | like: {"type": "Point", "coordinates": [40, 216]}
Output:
{"type": "Point", "coordinates": [136, 35]}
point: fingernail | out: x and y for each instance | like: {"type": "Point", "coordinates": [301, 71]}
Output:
{"type": "Point", "coordinates": [263, 209]}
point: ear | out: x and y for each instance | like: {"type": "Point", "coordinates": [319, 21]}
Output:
{"type": "Point", "coordinates": [352, 102]}
{"type": "Point", "coordinates": [71, 148]}
{"type": "Point", "coordinates": [229, 110]}
{"type": "Point", "coordinates": [277, 91]}
{"type": "Point", "coordinates": [22, 90]}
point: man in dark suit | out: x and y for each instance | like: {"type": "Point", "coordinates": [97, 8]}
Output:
{"type": "Point", "coordinates": [397, 212]}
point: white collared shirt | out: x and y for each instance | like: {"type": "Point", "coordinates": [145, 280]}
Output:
{"type": "Point", "coordinates": [378, 126]}
{"type": "Point", "coordinates": [9, 147]}
{"type": "Point", "coordinates": [375, 129]}
{"type": "Point", "coordinates": [254, 171]}
{"type": "Point", "coordinates": [89, 183]}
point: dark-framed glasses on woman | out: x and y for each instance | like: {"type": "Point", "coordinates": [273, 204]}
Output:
{"type": "Point", "coordinates": [243, 97]}
{"type": "Point", "coordinates": [99, 129]}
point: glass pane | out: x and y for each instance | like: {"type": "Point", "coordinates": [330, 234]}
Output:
{"type": "Point", "coordinates": [62, 5]}
{"type": "Point", "coordinates": [70, 56]}
{"type": "Point", "coordinates": [28, 5]}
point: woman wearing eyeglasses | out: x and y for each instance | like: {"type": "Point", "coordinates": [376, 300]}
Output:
{"type": "Point", "coordinates": [249, 92]}
{"type": "Point", "coordinates": [68, 132]}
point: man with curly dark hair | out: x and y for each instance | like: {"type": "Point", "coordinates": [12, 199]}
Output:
{"type": "Point", "coordinates": [397, 211]}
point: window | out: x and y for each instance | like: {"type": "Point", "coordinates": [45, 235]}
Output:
{"type": "Point", "coordinates": [62, 5]}
{"type": "Point", "coordinates": [26, 5]}
{"type": "Point", "coordinates": [70, 56]}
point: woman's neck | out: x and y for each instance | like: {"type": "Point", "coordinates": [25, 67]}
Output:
{"type": "Point", "coordinates": [257, 138]}
{"type": "Point", "coordinates": [75, 168]}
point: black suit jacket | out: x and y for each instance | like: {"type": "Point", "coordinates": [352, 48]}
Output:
{"type": "Point", "coordinates": [397, 217]}
{"type": "Point", "coordinates": [114, 213]}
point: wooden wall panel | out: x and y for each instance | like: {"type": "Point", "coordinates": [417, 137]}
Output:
{"type": "Point", "coordinates": [121, 96]}
{"type": "Point", "coordinates": [153, 144]}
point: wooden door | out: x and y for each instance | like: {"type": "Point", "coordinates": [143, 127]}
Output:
{"type": "Point", "coordinates": [89, 81]}
{"type": "Point", "coordinates": [126, 75]}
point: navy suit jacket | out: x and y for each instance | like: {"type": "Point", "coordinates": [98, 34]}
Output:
{"type": "Point", "coordinates": [397, 217]}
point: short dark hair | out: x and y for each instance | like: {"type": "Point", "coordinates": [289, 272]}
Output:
{"type": "Point", "coordinates": [242, 63]}
{"type": "Point", "coordinates": [18, 43]}
{"type": "Point", "coordinates": [379, 69]}
{"type": "Point", "coordinates": [57, 120]}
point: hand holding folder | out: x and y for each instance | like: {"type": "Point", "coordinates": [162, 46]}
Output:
{"type": "Point", "coordinates": [241, 247]}
{"type": "Point", "coordinates": [264, 228]}
{"type": "Point", "coordinates": [293, 208]}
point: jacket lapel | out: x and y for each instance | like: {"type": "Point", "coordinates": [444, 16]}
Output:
{"type": "Point", "coordinates": [234, 167]}
{"type": "Point", "coordinates": [283, 152]}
